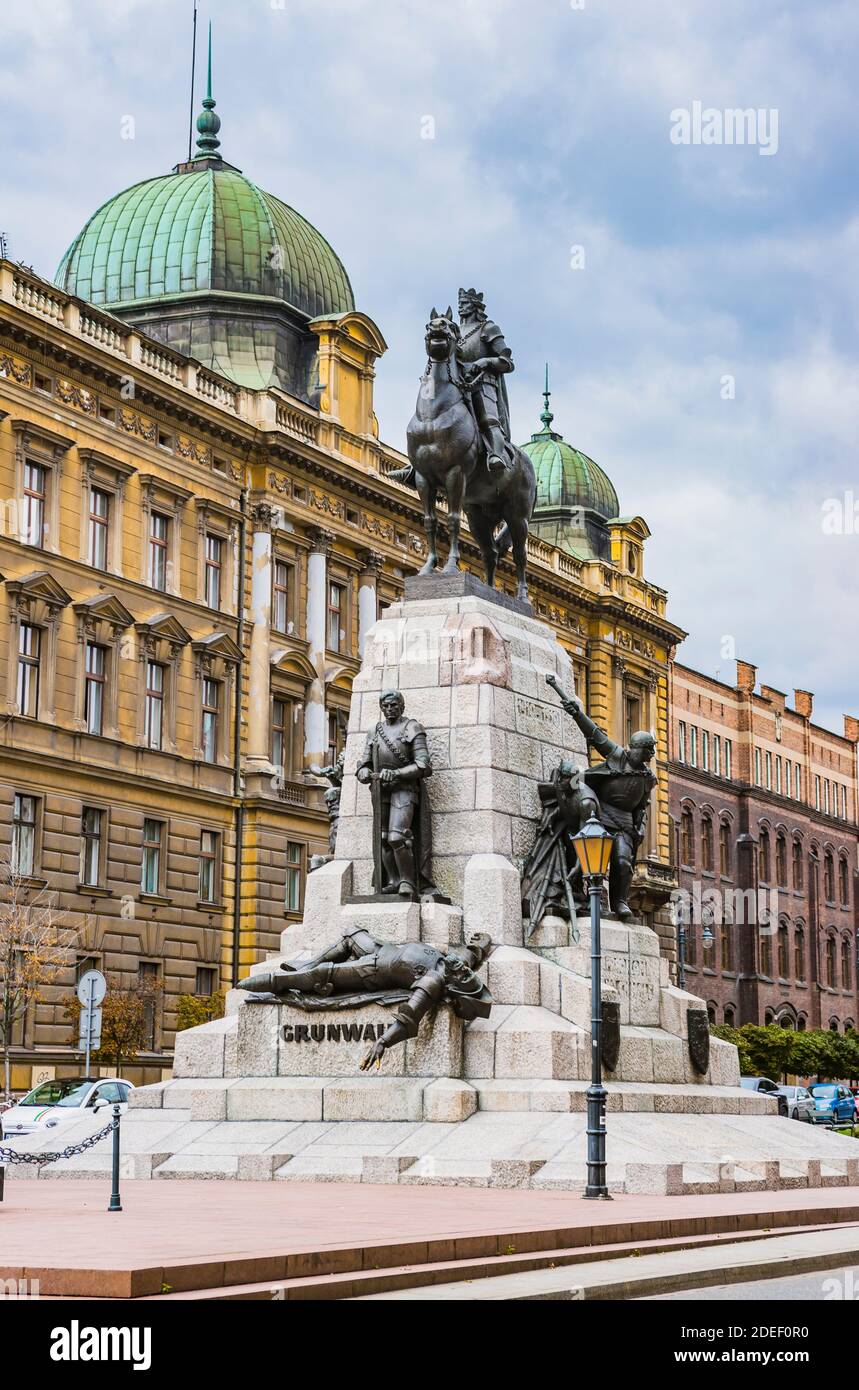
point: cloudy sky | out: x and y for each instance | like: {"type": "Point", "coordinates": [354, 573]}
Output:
{"type": "Point", "coordinates": [697, 302]}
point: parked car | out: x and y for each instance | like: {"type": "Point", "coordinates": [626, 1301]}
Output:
{"type": "Point", "coordinates": [765, 1087]}
{"type": "Point", "coordinates": [800, 1103]}
{"type": "Point", "coordinates": [833, 1103]}
{"type": "Point", "coordinates": [59, 1102]}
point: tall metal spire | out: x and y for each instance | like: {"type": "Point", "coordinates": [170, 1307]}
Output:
{"type": "Point", "coordinates": [545, 414]}
{"type": "Point", "coordinates": [208, 123]}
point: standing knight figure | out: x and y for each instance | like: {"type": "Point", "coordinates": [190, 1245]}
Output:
{"type": "Point", "coordinates": [395, 763]}
{"type": "Point", "coordinates": [487, 359]}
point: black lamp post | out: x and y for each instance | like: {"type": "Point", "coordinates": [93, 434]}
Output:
{"type": "Point", "coordinates": [593, 846]}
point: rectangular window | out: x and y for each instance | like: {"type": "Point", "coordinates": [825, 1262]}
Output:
{"type": "Point", "coordinates": [94, 683]}
{"type": "Point", "coordinates": [99, 527]}
{"type": "Point", "coordinates": [826, 796]}
{"type": "Point", "coordinates": [757, 767]}
{"type": "Point", "coordinates": [717, 755]}
{"type": "Point", "coordinates": [159, 537]}
{"type": "Point", "coordinates": [778, 774]}
{"type": "Point", "coordinates": [769, 768]}
{"type": "Point", "coordinates": [294, 866]}
{"type": "Point", "coordinates": [693, 746]}
{"type": "Point", "coordinates": [154, 709]}
{"type": "Point", "coordinates": [29, 651]}
{"type": "Point", "coordinates": [147, 980]}
{"type": "Point", "coordinates": [728, 758]}
{"type": "Point", "coordinates": [209, 732]}
{"type": "Point", "coordinates": [209, 846]}
{"type": "Point", "coordinates": [91, 843]}
{"type": "Point", "coordinates": [281, 725]}
{"type": "Point", "coordinates": [335, 736]}
{"type": "Point", "coordinates": [336, 634]}
{"type": "Point", "coordinates": [24, 835]}
{"type": "Point", "coordinates": [150, 874]}
{"type": "Point", "coordinates": [705, 750]}
{"type": "Point", "coordinates": [632, 712]}
{"type": "Point", "coordinates": [35, 498]}
{"type": "Point", "coordinates": [681, 742]}
{"type": "Point", "coordinates": [817, 793]}
{"type": "Point", "coordinates": [206, 981]}
{"type": "Point", "coordinates": [214, 565]}
{"type": "Point", "coordinates": [281, 597]}
{"type": "Point", "coordinates": [843, 802]}
{"type": "Point", "coordinates": [797, 782]}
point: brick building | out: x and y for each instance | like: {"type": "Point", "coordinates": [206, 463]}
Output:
{"type": "Point", "coordinates": [763, 803]}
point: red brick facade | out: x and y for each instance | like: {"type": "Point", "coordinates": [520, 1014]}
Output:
{"type": "Point", "coordinates": [763, 804]}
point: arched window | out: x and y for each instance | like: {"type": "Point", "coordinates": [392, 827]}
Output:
{"type": "Point", "coordinates": [711, 1012]}
{"type": "Point", "coordinates": [687, 837]}
{"type": "Point", "coordinates": [764, 857]}
{"type": "Point", "coordinates": [830, 960]}
{"type": "Point", "coordinates": [730, 1015]}
{"type": "Point", "coordinates": [724, 848]}
{"type": "Point", "coordinates": [781, 861]}
{"type": "Point", "coordinates": [769, 1017]}
{"type": "Point", "coordinates": [706, 844]}
{"type": "Point", "coordinates": [833, 1025]}
{"type": "Point", "coordinates": [800, 1024]}
{"type": "Point", "coordinates": [766, 953]}
{"type": "Point", "coordinates": [783, 952]}
{"type": "Point", "coordinates": [799, 953]}
{"type": "Point", "coordinates": [797, 865]}
{"type": "Point", "coordinates": [846, 970]}
{"type": "Point", "coordinates": [829, 877]}
{"type": "Point", "coordinates": [786, 1021]}
{"type": "Point", "coordinates": [844, 882]}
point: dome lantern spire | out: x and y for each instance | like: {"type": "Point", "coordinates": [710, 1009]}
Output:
{"type": "Point", "coordinates": [208, 123]}
{"type": "Point", "coordinates": [545, 414]}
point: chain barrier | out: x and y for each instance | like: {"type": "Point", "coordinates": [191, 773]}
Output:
{"type": "Point", "coordinates": [12, 1156]}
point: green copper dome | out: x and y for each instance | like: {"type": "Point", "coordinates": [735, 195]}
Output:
{"type": "Point", "coordinates": [203, 230]}
{"type": "Point", "coordinates": [565, 476]}
{"type": "Point", "coordinates": [574, 496]}
{"type": "Point", "coordinates": [214, 266]}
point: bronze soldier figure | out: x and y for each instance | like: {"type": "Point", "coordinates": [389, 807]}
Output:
{"type": "Point", "coordinates": [617, 791]}
{"type": "Point", "coordinates": [395, 763]}
{"type": "Point", "coordinates": [359, 970]}
{"type": "Point", "coordinates": [334, 776]}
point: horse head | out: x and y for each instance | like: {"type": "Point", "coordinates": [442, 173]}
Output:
{"type": "Point", "coordinates": [442, 335]}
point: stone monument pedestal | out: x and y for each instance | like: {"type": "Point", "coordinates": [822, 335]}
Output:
{"type": "Point", "coordinates": [273, 1090]}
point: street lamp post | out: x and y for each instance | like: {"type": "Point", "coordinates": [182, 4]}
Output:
{"type": "Point", "coordinates": [593, 846]}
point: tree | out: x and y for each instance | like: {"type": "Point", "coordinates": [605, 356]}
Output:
{"type": "Point", "coordinates": [125, 1020]}
{"type": "Point", "coordinates": [194, 1009]}
{"type": "Point", "coordinates": [767, 1050]}
{"type": "Point", "coordinates": [34, 948]}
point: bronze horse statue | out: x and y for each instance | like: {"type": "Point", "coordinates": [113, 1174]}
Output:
{"type": "Point", "coordinates": [447, 453]}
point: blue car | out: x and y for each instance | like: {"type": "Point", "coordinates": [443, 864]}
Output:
{"type": "Point", "coordinates": [833, 1104]}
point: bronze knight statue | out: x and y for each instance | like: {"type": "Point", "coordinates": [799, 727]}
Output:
{"type": "Point", "coordinates": [359, 970]}
{"type": "Point", "coordinates": [617, 791]}
{"type": "Point", "coordinates": [395, 764]}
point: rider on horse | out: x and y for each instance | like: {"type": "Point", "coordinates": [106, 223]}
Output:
{"type": "Point", "coordinates": [485, 359]}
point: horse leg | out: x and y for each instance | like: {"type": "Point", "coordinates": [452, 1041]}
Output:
{"type": "Point", "coordinates": [455, 488]}
{"type": "Point", "coordinates": [482, 530]}
{"type": "Point", "coordinates": [519, 540]}
{"type": "Point", "coordinates": [427, 495]}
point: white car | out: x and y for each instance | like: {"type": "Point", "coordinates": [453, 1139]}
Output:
{"type": "Point", "coordinates": [57, 1103]}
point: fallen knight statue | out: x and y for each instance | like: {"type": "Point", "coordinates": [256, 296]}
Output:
{"type": "Point", "coordinates": [359, 970]}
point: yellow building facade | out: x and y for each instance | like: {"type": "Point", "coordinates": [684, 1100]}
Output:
{"type": "Point", "coordinates": [191, 557]}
